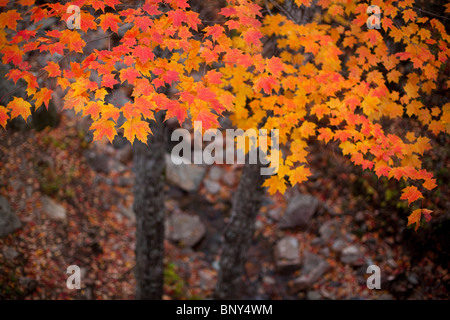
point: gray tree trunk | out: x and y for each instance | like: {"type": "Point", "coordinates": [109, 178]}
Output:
{"type": "Point", "coordinates": [248, 199]}
{"type": "Point", "coordinates": [239, 232]}
{"type": "Point", "coordinates": [149, 167]}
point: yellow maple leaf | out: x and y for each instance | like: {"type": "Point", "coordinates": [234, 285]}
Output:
{"type": "Point", "coordinates": [135, 127]}
{"type": "Point", "coordinates": [298, 175]}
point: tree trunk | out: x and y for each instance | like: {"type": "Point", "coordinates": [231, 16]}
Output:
{"type": "Point", "coordinates": [149, 167]}
{"type": "Point", "coordinates": [239, 232]}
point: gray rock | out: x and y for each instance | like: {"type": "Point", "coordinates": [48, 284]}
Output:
{"type": "Point", "coordinates": [53, 210]}
{"type": "Point", "coordinates": [212, 187]}
{"type": "Point", "coordinates": [186, 230]}
{"type": "Point", "coordinates": [186, 176]}
{"type": "Point", "coordinates": [386, 296]}
{"type": "Point", "coordinates": [314, 267]}
{"type": "Point", "coordinates": [317, 242]}
{"type": "Point", "coordinates": [413, 279]}
{"type": "Point", "coordinates": [215, 173]}
{"type": "Point", "coordinates": [287, 255]}
{"type": "Point", "coordinates": [229, 178]}
{"type": "Point", "coordinates": [269, 281]}
{"type": "Point", "coordinates": [328, 230]}
{"type": "Point", "coordinates": [313, 295]}
{"type": "Point", "coordinates": [206, 278]}
{"type": "Point", "coordinates": [9, 253]}
{"type": "Point", "coordinates": [359, 216]}
{"type": "Point", "coordinates": [338, 245]}
{"type": "Point", "coordinates": [216, 265]}
{"type": "Point", "coordinates": [9, 221]}
{"type": "Point", "coordinates": [352, 255]}
{"type": "Point", "coordinates": [274, 213]}
{"type": "Point", "coordinates": [299, 212]}
{"type": "Point", "coordinates": [259, 225]}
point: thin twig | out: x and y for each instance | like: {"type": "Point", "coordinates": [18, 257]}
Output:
{"type": "Point", "coordinates": [284, 11]}
{"type": "Point", "coordinates": [434, 14]}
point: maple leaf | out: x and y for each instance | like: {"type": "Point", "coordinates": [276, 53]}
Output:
{"type": "Point", "coordinates": [411, 194]}
{"type": "Point", "coordinates": [325, 134]}
{"type": "Point", "coordinates": [416, 216]}
{"type": "Point", "coordinates": [135, 127]}
{"type": "Point", "coordinates": [253, 36]}
{"type": "Point", "coordinates": [144, 53]}
{"type": "Point", "coordinates": [298, 175]}
{"type": "Point", "coordinates": [170, 75]}
{"type": "Point", "coordinates": [9, 19]}
{"type": "Point", "coordinates": [307, 129]}
{"type": "Point", "coordinates": [177, 16]}
{"type": "Point", "coordinates": [275, 66]}
{"type": "Point", "coordinates": [275, 184]}
{"type": "Point", "coordinates": [104, 128]}
{"type": "Point", "coordinates": [109, 81]}
{"type": "Point", "coordinates": [43, 96]}
{"type": "Point", "coordinates": [429, 184]}
{"type": "Point", "coordinates": [11, 53]}
{"type": "Point", "coordinates": [207, 119]}
{"type": "Point", "coordinates": [129, 74]}
{"type": "Point", "coordinates": [3, 116]}
{"type": "Point", "coordinates": [53, 69]}
{"type": "Point", "coordinates": [93, 109]}
{"type": "Point", "coordinates": [19, 107]}
{"type": "Point", "coordinates": [382, 170]}
{"type": "Point", "coordinates": [267, 83]}
{"type": "Point", "coordinates": [109, 111]}
{"type": "Point", "coordinates": [176, 110]}
{"type": "Point", "coordinates": [213, 77]}
{"type": "Point", "coordinates": [110, 21]}
{"type": "Point", "coordinates": [214, 31]}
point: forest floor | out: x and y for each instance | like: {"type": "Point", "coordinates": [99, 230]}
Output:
{"type": "Point", "coordinates": [98, 231]}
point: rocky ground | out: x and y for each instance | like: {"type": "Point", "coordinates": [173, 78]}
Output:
{"type": "Point", "coordinates": [65, 201]}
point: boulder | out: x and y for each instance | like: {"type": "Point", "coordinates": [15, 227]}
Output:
{"type": "Point", "coordinates": [330, 229]}
{"type": "Point", "coordinates": [185, 230]}
{"type": "Point", "coordinates": [287, 255]}
{"type": "Point", "coordinates": [314, 267]}
{"type": "Point", "coordinates": [53, 210]}
{"type": "Point", "coordinates": [9, 253]}
{"type": "Point", "coordinates": [299, 212]}
{"type": "Point", "coordinates": [215, 173]}
{"type": "Point", "coordinates": [212, 187]}
{"type": "Point", "coordinates": [352, 255]}
{"type": "Point", "coordinates": [9, 222]}
{"type": "Point", "coordinates": [185, 176]}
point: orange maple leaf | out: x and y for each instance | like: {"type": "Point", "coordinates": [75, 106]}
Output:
{"type": "Point", "coordinates": [104, 128]}
{"type": "Point", "coordinates": [411, 194]}
{"type": "Point", "coordinates": [110, 21]}
{"type": "Point", "coordinates": [42, 97]}
{"type": "Point", "coordinates": [416, 216]}
{"type": "Point", "coordinates": [19, 107]}
{"type": "Point", "coordinates": [9, 19]}
{"type": "Point", "coordinates": [3, 116]}
{"type": "Point", "coordinates": [299, 174]}
{"type": "Point", "coordinates": [53, 69]}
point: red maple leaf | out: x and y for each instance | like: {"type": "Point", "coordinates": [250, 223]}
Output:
{"type": "Point", "coordinates": [109, 81]}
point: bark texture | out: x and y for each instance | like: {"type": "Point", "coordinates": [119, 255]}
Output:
{"type": "Point", "coordinates": [149, 167]}
{"type": "Point", "coordinates": [239, 232]}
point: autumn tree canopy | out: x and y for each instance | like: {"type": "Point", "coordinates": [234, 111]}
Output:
{"type": "Point", "coordinates": [333, 79]}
